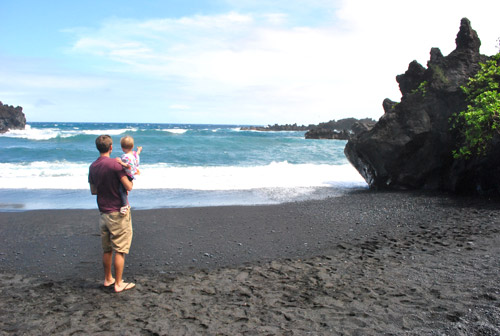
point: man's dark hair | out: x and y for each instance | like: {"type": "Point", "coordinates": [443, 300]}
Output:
{"type": "Point", "coordinates": [103, 143]}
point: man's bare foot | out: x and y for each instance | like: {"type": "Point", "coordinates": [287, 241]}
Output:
{"type": "Point", "coordinates": [109, 283]}
{"type": "Point", "coordinates": [124, 286]}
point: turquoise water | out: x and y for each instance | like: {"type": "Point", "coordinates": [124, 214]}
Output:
{"type": "Point", "coordinates": [46, 165]}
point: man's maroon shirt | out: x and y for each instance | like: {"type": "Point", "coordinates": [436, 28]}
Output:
{"type": "Point", "coordinates": [105, 174]}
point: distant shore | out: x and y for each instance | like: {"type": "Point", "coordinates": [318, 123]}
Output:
{"type": "Point", "coordinates": [364, 263]}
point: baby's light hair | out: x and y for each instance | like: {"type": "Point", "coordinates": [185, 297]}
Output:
{"type": "Point", "coordinates": [127, 142]}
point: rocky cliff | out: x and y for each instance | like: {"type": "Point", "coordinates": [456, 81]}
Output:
{"type": "Point", "coordinates": [410, 147]}
{"type": "Point", "coordinates": [11, 118]}
{"type": "Point", "coordinates": [343, 129]}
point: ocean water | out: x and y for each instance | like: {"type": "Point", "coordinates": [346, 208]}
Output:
{"type": "Point", "coordinates": [46, 165]}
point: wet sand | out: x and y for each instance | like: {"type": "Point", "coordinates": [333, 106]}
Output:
{"type": "Point", "coordinates": [367, 263]}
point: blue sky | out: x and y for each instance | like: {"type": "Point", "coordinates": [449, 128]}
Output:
{"type": "Point", "coordinates": [221, 61]}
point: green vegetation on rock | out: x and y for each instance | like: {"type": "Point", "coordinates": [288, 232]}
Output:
{"type": "Point", "coordinates": [481, 120]}
{"type": "Point", "coordinates": [422, 88]}
{"type": "Point", "coordinates": [438, 74]}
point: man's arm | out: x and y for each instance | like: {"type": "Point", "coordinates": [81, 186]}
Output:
{"type": "Point", "coordinates": [127, 184]}
{"type": "Point", "coordinates": [93, 189]}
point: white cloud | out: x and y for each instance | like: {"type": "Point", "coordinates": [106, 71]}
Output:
{"type": "Point", "coordinates": [257, 64]}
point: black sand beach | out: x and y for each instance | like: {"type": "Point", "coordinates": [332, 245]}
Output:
{"type": "Point", "coordinates": [367, 263]}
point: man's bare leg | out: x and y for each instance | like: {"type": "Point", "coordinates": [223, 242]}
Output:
{"type": "Point", "coordinates": [107, 259]}
{"type": "Point", "coordinates": [119, 265]}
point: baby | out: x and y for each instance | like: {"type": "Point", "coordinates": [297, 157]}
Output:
{"type": "Point", "coordinates": [130, 162]}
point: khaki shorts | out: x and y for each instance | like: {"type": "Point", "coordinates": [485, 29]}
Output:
{"type": "Point", "coordinates": [116, 232]}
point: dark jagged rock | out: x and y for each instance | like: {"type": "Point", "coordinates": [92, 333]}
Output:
{"type": "Point", "coordinates": [342, 129]}
{"type": "Point", "coordinates": [467, 39]}
{"type": "Point", "coordinates": [410, 147]}
{"type": "Point", "coordinates": [360, 127]}
{"type": "Point", "coordinates": [324, 133]}
{"type": "Point", "coordinates": [277, 127]}
{"type": "Point", "coordinates": [412, 78]}
{"type": "Point", "coordinates": [11, 118]}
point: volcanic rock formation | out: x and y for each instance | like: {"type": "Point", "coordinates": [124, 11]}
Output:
{"type": "Point", "coordinates": [11, 118]}
{"type": "Point", "coordinates": [410, 147]}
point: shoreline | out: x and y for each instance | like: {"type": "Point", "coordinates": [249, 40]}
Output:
{"type": "Point", "coordinates": [20, 200]}
{"type": "Point", "coordinates": [366, 263]}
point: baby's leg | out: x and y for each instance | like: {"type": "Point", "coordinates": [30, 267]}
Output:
{"type": "Point", "coordinates": [123, 196]}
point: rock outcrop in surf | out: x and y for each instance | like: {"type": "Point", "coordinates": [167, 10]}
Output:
{"type": "Point", "coordinates": [11, 118]}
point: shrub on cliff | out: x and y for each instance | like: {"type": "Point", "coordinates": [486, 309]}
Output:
{"type": "Point", "coordinates": [481, 120]}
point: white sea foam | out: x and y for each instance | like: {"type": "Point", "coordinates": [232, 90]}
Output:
{"type": "Point", "coordinates": [66, 175]}
{"type": "Point", "coordinates": [109, 131]}
{"type": "Point", "coordinates": [275, 175]}
{"type": "Point", "coordinates": [33, 133]}
{"type": "Point", "coordinates": [175, 130]}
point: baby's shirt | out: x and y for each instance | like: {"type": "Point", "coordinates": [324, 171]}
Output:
{"type": "Point", "coordinates": [132, 159]}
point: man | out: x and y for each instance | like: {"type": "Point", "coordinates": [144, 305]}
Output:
{"type": "Point", "coordinates": [105, 176]}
